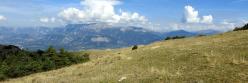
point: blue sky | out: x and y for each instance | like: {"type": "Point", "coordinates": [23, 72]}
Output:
{"type": "Point", "coordinates": [172, 10]}
{"type": "Point", "coordinates": [28, 13]}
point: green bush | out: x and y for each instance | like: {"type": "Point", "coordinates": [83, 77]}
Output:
{"type": "Point", "coordinates": [21, 63]}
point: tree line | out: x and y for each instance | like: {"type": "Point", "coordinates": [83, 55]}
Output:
{"type": "Point", "coordinates": [19, 63]}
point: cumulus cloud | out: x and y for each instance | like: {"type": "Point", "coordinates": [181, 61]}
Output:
{"type": "Point", "coordinates": [101, 11]}
{"type": "Point", "coordinates": [100, 39]}
{"type": "Point", "coordinates": [194, 22]}
{"type": "Point", "coordinates": [2, 18]}
{"type": "Point", "coordinates": [47, 20]}
{"type": "Point", "coordinates": [207, 19]}
{"type": "Point", "coordinates": [192, 16]}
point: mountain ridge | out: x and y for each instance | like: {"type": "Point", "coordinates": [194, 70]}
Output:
{"type": "Point", "coordinates": [83, 36]}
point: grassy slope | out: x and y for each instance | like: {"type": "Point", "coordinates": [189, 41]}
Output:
{"type": "Point", "coordinates": [219, 58]}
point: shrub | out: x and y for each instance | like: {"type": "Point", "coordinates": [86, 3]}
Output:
{"type": "Point", "coordinates": [175, 37]}
{"type": "Point", "coordinates": [135, 47]}
{"type": "Point", "coordinates": [167, 38]}
{"type": "Point", "coordinates": [245, 27]}
{"type": "Point", "coordinates": [51, 51]}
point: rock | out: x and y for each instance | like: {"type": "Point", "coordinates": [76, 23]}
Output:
{"type": "Point", "coordinates": [122, 78]}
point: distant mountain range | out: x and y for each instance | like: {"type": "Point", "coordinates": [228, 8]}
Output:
{"type": "Point", "coordinates": [86, 36]}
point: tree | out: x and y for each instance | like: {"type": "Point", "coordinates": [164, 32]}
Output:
{"type": "Point", "coordinates": [24, 62]}
{"type": "Point", "coordinates": [51, 50]}
{"type": "Point", "coordinates": [62, 51]}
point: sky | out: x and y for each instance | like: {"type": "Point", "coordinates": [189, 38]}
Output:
{"type": "Point", "coordinates": [157, 15]}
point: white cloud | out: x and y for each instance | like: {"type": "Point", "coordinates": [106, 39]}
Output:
{"type": "Point", "coordinates": [225, 25]}
{"type": "Point", "coordinates": [198, 26]}
{"type": "Point", "coordinates": [192, 16]}
{"type": "Point", "coordinates": [47, 20]}
{"type": "Point", "coordinates": [207, 19]}
{"type": "Point", "coordinates": [225, 22]}
{"type": "Point", "coordinates": [194, 22]}
{"type": "Point", "coordinates": [101, 11]}
{"type": "Point", "coordinates": [100, 39]}
{"type": "Point", "coordinates": [2, 18]}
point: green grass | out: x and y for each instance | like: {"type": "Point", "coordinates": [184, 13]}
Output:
{"type": "Point", "coordinates": [219, 58]}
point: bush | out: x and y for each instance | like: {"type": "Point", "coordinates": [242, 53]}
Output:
{"type": "Point", "coordinates": [167, 38]}
{"type": "Point", "coordinates": [24, 62]}
{"type": "Point", "coordinates": [245, 27]}
{"type": "Point", "coordinates": [135, 47]}
{"type": "Point", "coordinates": [175, 37]}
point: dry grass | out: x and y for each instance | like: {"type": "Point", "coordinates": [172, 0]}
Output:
{"type": "Point", "coordinates": [219, 58]}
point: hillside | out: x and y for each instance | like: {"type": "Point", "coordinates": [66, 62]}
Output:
{"type": "Point", "coordinates": [219, 58]}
